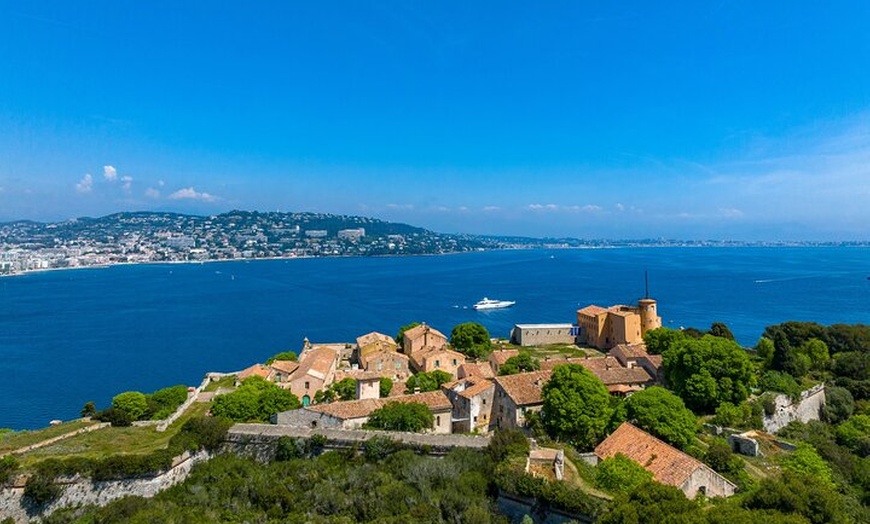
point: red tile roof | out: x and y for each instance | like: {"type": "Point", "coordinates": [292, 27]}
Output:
{"type": "Point", "coordinates": [476, 369]}
{"type": "Point", "coordinates": [524, 388]}
{"type": "Point", "coordinates": [667, 464]}
{"type": "Point", "coordinates": [607, 369]}
{"type": "Point", "coordinates": [257, 369]}
{"type": "Point", "coordinates": [316, 362]}
{"type": "Point", "coordinates": [284, 366]}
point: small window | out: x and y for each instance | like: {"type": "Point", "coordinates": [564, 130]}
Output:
{"type": "Point", "coordinates": [484, 402]}
{"type": "Point", "coordinates": [437, 363]}
{"type": "Point", "coordinates": [438, 420]}
{"type": "Point", "coordinates": [454, 362]}
{"type": "Point", "coordinates": [475, 420]}
{"type": "Point", "coordinates": [307, 385]}
{"type": "Point", "coordinates": [313, 424]}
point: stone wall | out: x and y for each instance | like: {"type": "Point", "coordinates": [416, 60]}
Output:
{"type": "Point", "coordinates": [82, 491]}
{"type": "Point", "coordinates": [805, 409]}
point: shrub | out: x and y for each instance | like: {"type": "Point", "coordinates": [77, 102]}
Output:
{"type": "Point", "coordinates": [507, 443]}
{"type": "Point", "coordinates": [289, 448]}
{"type": "Point", "coordinates": [164, 402]}
{"type": "Point", "coordinates": [620, 474]}
{"type": "Point", "coordinates": [41, 489]}
{"type": "Point", "coordinates": [133, 404]}
{"type": "Point", "coordinates": [839, 405]}
{"type": "Point", "coordinates": [8, 465]}
{"type": "Point", "coordinates": [113, 416]}
{"type": "Point", "coordinates": [385, 387]}
{"type": "Point", "coordinates": [378, 448]}
{"type": "Point", "coordinates": [284, 355]}
{"type": "Point", "coordinates": [401, 416]}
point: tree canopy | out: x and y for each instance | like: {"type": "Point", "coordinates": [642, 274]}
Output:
{"type": "Point", "coordinates": [133, 404]}
{"type": "Point", "coordinates": [663, 414]}
{"type": "Point", "coordinates": [708, 371]}
{"type": "Point", "coordinates": [401, 416]}
{"type": "Point", "coordinates": [576, 406]}
{"type": "Point", "coordinates": [471, 339]}
{"type": "Point", "coordinates": [344, 389]}
{"type": "Point", "coordinates": [284, 355]}
{"type": "Point", "coordinates": [255, 400]}
{"type": "Point", "coordinates": [521, 363]}
{"type": "Point", "coordinates": [620, 474]}
{"type": "Point", "coordinates": [428, 381]}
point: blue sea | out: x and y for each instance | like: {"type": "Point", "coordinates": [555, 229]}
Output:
{"type": "Point", "coordinates": [67, 337]}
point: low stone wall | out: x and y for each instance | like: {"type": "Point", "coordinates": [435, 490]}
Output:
{"type": "Point", "coordinates": [805, 409]}
{"type": "Point", "coordinates": [51, 441]}
{"type": "Point", "coordinates": [260, 440]}
{"type": "Point", "coordinates": [82, 491]}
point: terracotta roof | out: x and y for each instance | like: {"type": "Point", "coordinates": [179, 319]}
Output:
{"type": "Point", "coordinates": [667, 464]}
{"type": "Point", "coordinates": [631, 350]}
{"type": "Point", "coordinates": [374, 336]}
{"type": "Point", "coordinates": [434, 400]}
{"type": "Point", "coordinates": [655, 360]}
{"type": "Point", "coordinates": [476, 369]}
{"type": "Point", "coordinates": [365, 359]}
{"type": "Point", "coordinates": [420, 357]}
{"type": "Point", "coordinates": [257, 369]}
{"type": "Point", "coordinates": [607, 369]}
{"type": "Point", "coordinates": [418, 331]}
{"type": "Point", "coordinates": [316, 362]}
{"type": "Point", "coordinates": [524, 388]}
{"type": "Point", "coordinates": [284, 366]}
{"type": "Point", "coordinates": [501, 356]}
{"type": "Point", "coordinates": [476, 389]}
{"type": "Point", "coordinates": [592, 310]}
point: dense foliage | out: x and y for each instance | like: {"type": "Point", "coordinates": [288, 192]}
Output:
{"type": "Point", "coordinates": [620, 474]}
{"type": "Point", "coordinates": [428, 381]}
{"type": "Point", "coordinates": [521, 363]}
{"type": "Point", "coordinates": [284, 355]}
{"type": "Point", "coordinates": [663, 414]}
{"type": "Point", "coordinates": [385, 387]}
{"type": "Point", "coordinates": [471, 339]}
{"type": "Point", "coordinates": [577, 406]}
{"type": "Point", "coordinates": [708, 371]}
{"type": "Point", "coordinates": [337, 488]}
{"type": "Point", "coordinates": [401, 416]}
{"type": "Point", "coordinates": [255, 400]}
{"type": "Point", "coordinates": [344, 389]}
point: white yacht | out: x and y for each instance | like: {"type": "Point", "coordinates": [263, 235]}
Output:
{"type": "Point", "coordinates": [488, 303]}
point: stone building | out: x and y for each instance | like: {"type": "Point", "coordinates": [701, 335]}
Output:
{"type": "Point", "coordinates": [421, 337]}
{"type": "Point", "coordinates": [316, 372]}
{"type": "Point", "coordinates": [543, 334]}
{"type": "Point", "coordinates": [604, 328]}
{"type": "Point", "coordinates": [437, 359]}
{"type": "Point", "coordinates": [472, 400]}
{"type": "Point", "coordinates": [498, 357]}
{"type": "Point", "coordinates": [515, 396]}
{"type": "Point", "coordinates": [667, 464]}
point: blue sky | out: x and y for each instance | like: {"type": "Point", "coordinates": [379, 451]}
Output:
{"type": "Point", "coordinates": [734, 120]}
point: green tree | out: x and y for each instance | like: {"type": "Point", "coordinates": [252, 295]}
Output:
{"type": "Point", "coordinates": [471, 339]}
{"type": "Point", "coordinates": [839, 405]}
{"type": "Point", "coordinates": [284, 355]}
{"type": "Point", "coordinates": [795, 493]}
{"type": "Point", "coordinates": [507, 443]}
{"type": "Point", "coordinates": [132, 404]}
{"type": "Point", "coordinates": [255, 400]}
{"type": "Point", "coordinates": [620, 474]}
{"type": "Point", "coordinates": [663, 414]}
{"type": "Point", "coordinates": [385, 387]}
{"type": "Point", "coordinates": [719, 329]}
{"type": "Point", "coordinates": [400, 336]}
{"type": "Point", "coordinates": [855, 434]}
{"type": "Point", "coordinates": [805, 460]}
{"type": "Point", "coordinates": [428, 381]}
{"type": "Point", "coordinates": [576, 406]}
{"type": "Point", "coordinates": [661, 339]}
{"type": "Point", "coordinates": [653, 503]}
{"type": "Point", "coordinates": [780, 382]}
{"type": "Point", "coordinates": [708, 371]}
{"type": "Point", "coordinates": [721, 458]}
{"type": "Point", "coordinates": [764, 349]}
{"type": "Point", "coordinates": [401, 416]}
{"type": "Point", "coordinates": [521, 363]}
{"type": "Point", "coordinates": [89, 409]}
{"type": "Point", "coordinates": [817, 352]}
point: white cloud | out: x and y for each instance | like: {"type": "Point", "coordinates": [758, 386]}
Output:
{"type": "Point", "coordinates": [86, 184]}
{"type": "Point", "coordinates": [190, 193]}
{"type": "Point", "coordinates": [161, 183]}
{"type": "Point", "coordinates": [619, 207]}
{"type": "Point", "coordinates": [490, 209]}
{"type": "Point", "coordinates": [730, 213]}
{"type": "Point", "coordinates": [404, 207]}
{"type": "Point", "coordinates": [126, 182]}
{"type": "Point", "coordinates": [152, 193]}
{"type": "Point", "coordinates": [110, 173]}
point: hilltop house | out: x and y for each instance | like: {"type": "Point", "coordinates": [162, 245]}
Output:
{"type": "Point", "coordinates": [375, 342]}
{"type": "Point", "coordinates": [472, 400]}
{"type": "Point", "coordinates": [517, 395]}
{"type": "Point", "coordinates": [498, 357]}
{"type": "Point", "coordinates": [316, 372]}
{"type": "Point", "coordinates": [667, 464]}
{"type": "Point", "coordinates": [437, 359]}
{"type": "Point", "coordinates": [421, 337]}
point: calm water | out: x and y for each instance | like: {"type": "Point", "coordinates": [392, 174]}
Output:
{"type": "Point", "coordinates": [72, 336]}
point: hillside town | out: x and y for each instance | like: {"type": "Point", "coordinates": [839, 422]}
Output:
{"type": "Point", "coordinates": [479, 398]}
{"type": "Point", "coordinates": [129, 238]}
